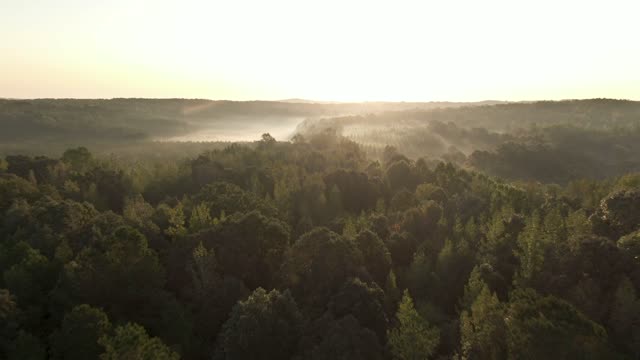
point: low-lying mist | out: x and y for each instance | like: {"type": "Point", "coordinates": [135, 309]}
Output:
{"type": "Point", "coordinates": [550, 141]}
{"type": "Point", "coordinates": [240, 129]}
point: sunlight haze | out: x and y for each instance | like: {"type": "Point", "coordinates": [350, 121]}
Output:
{"type": "Point", "coordinates": [321, 50]}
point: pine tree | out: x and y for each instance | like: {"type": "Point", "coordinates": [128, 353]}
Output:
{"type": "Point", "coordinates": [577, 226]}
{"type": "Point", "coordinates": [202, 269]}
{"type": "Point", "coordinates": [200, 218]}
{"type": "Point", "coordinates": [530, 251]}
{"type": "Point", "coordinates": [391, 291]}
{"type": "Point", "coordinates": [472, 289]}
{"type": "Point", "coordinates": [482, 329]}
{"type": "Point", "coordinates": [458, 229]}
{"type": "Point", "coordinates": [495, 232]}
{"type": "Point", "coordinates": [176, 221]}
{"type": "Point", "coordinates": [412, 338]}
{"type": "Point", "coordinates": [555, 228]}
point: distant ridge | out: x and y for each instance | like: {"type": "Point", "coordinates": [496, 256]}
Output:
{"type": "Point", "coordinates": [306, 101]}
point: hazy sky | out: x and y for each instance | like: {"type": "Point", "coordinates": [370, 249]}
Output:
{"type": "Point", "coordinates": [326, 50]}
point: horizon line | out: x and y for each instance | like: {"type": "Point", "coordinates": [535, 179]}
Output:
{"type": "Point", "coordinates": [323, 102]}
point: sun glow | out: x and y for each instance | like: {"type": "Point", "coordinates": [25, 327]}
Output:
{"type": "Point", "coordinates": [324, 50]}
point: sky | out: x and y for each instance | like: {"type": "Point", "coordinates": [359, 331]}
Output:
{"type": "Point", "coordinates": [331, 50]}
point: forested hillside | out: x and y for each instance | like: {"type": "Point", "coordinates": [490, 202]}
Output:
{"type": "Point", "coordinates": [547, 141]}
{"type": "Point", "coordinates": [50, 126]}
{"type": "Point", "coordinates": [316, 249]}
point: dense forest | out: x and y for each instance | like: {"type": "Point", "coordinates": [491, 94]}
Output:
{"type": "Point", "coordinates": [501, 231]}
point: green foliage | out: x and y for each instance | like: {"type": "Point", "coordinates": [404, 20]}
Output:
{"type": "Point", "coordinates": [452, 267]}
{"type": "Point", "coordinates": [27, 347]}
{"type": "Point", "coordinates": [531, 249]}
{"type": "Point", "coordinates": [400, 176]}
{"type": "Point", "coordinates": [200, 218]}
{"type": "Point", "coordinates": [176, 220]}
{"type": "Point", "coordinates": [365, 302]}
{"type": "Point", "coordinates": [624, 319]}
{"type": "Point", "coordinates": [131, 341]}
{"type": "Point", "coordinates": [249, 246]}
{"type": "Point", "coordinates": [79, 333]}
{"type": "Point", "coordinates": [402, 247]}
{"type": "Point", "coordinates": [346, 339]}
{"type": "Point", "coordinates": [422, 221]}
{"type": "Point", "coordinates": [631, 243]}
{"type": "Point", "coordinates": [578, 226]}
{"type": "Point", "coordinates": [482, 329]}
{"type": "Point", "coordinates": [265, 326]}
{"type": "Point", "coordinates": [137, 211]}
{"type": "Point", "coordinates": [555, 229]}
{"type": "Point", "coordinates": [412, 338]}
{"type": "Point", "coordinates": [375, 255]}
{"type": "Point", "coordinates": [353, 191]}
{"type": "Point", "coordinates": [231, 198]}
{"type": "Point", "coordinates": [128, 271]}
{"type": "Point", "coordinates": [30, 279]}
{"type": "Point", "coordinates": [349, 230]}
{"type": "Point", "coordinates": [546, 327]}
{"type": "Point", "coordinates": [618, 214]}
{"type": "Point", "coordinates": [203, 270]}
{"type": "Point", "coordinates": [318, 264]}
{"type": "Point", "coordinates": [402, 200]}
{"type": "Point", "coordinates": [426, 192]}
{"type": "Point", "coordinates": [79, 159]}
{"type": "Point", "coordinates": [392, 292]}
{"type": "Point", "coordinates": [421, 275]}
{"type": "Point", "coordinates": [182, 239]}
{"type": "Point", "coordinates": [13, 188]}
{"type": "Point", "coordinates": [472, 289]}
{"type": "Point", "coordinates": [9, 322]}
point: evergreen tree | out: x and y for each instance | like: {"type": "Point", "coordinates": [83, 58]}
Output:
{"type": "Point", "coordinates": [482, 328]}
{"type": "Point", "coordinates": [176, 222]}
{"type": "Point", "coordinates": [412, 338]}
{"type": "Point", "coordinates": [472, 289]}
{"type": "Point", "coordinates": [531, 250]}
{"type": "Point", "coordinates": [200, 218]}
